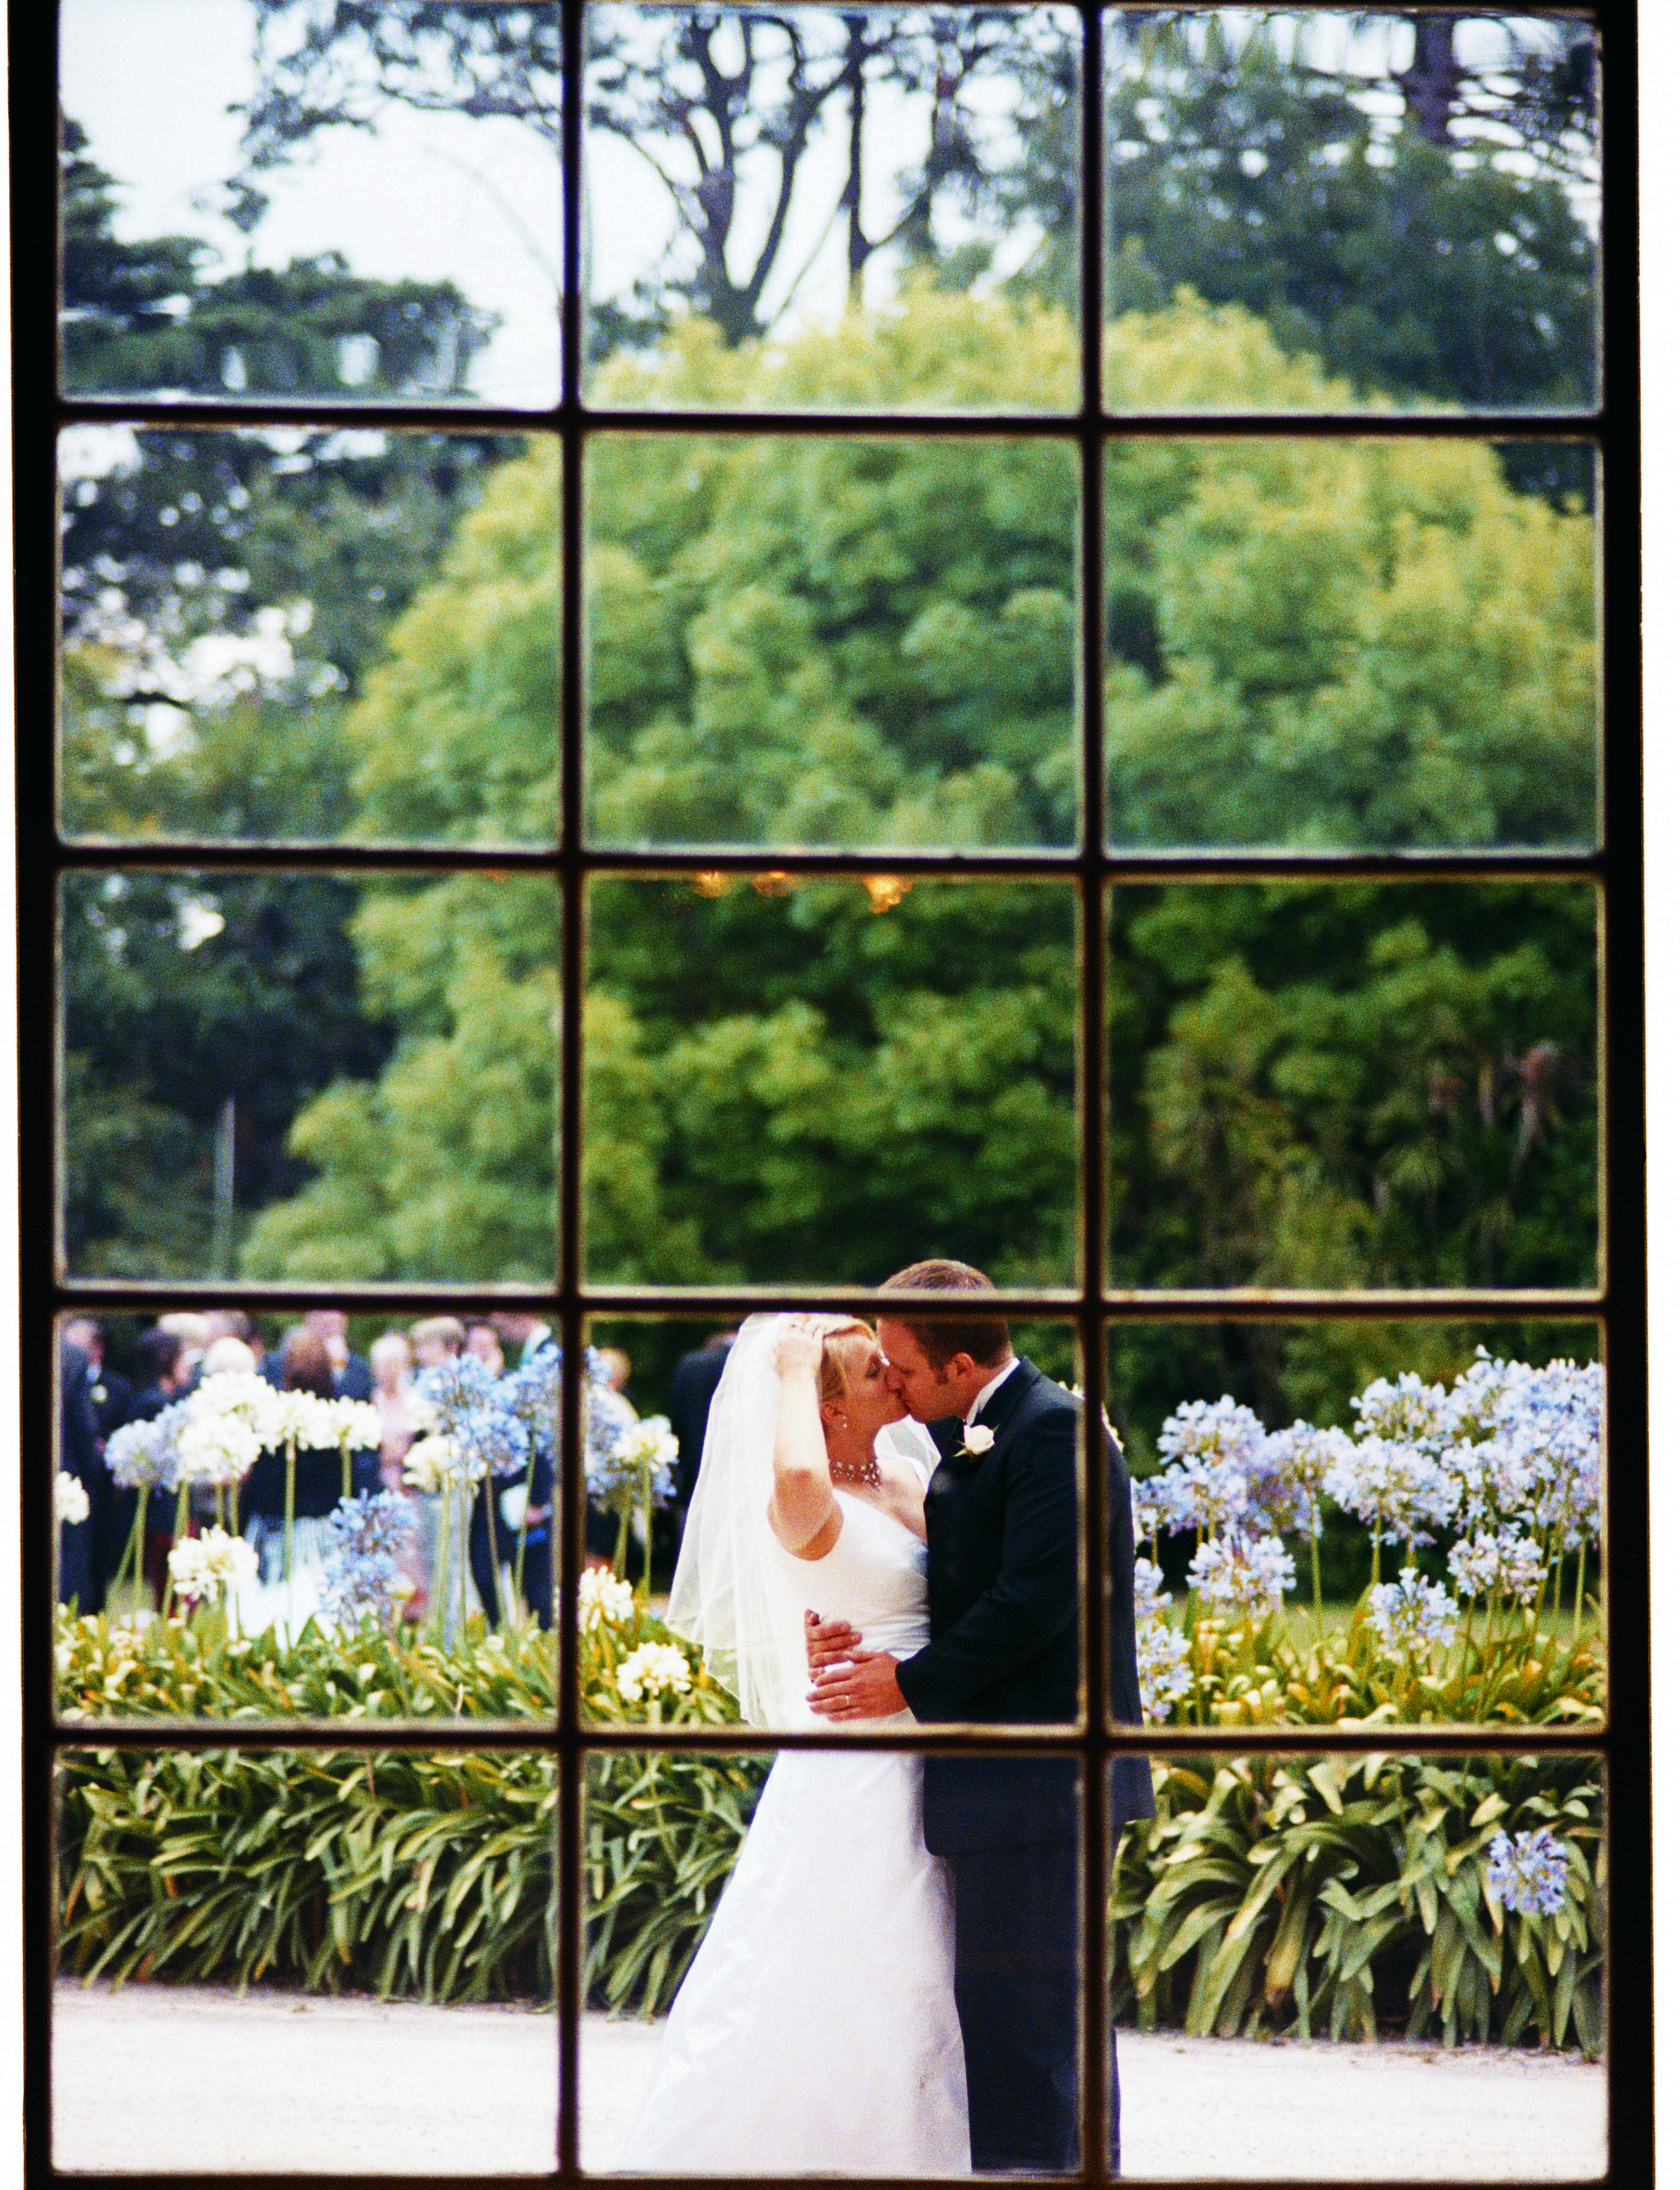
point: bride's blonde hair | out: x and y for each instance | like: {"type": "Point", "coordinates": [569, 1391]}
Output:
{"type": "Point", "coordinates": [831, 1377]}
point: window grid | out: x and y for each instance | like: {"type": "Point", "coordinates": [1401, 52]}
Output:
{"type": "Point", "coordinates": [1621, 1744]}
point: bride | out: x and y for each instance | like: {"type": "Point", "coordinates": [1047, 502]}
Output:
{"type": "Point", "coordinates": [836, 1925]}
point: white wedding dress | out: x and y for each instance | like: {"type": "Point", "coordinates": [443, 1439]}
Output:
{"type": "Point", "coordinates": [816, 2032]}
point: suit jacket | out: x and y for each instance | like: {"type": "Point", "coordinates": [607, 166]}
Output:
{"type": "Point", "coordinates": [694, 1381]}
{"type": "Point", "coordinates": [1003, 1605]}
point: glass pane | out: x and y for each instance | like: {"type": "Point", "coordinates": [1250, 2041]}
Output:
{"type": "Point", "coordinates": [304, 1077]}
{"type": "Point", "coordinates": [1353, 645]}
{"type": "Point", "coordinates": [957, 1973]}
{"type": "Point", "coordinates": [821, 1466]}
{"type": "Point", "coordinates": [1316, 209]}
{"type": "Point", "coordinates": [820, 1083]}
{"type": "Point", "coordinates": [1400, 1522]}
{"type": "Point", "coordinates": [829, 208]}
{"type": "Point", "coordinates": [303, 634]}
{"type": "Point", "coordinates": [259, 204]}
{"type": "Point", "coordinates": [416, 1885]}
{"type": "Point", "coordinates": [1456, 1904]}
{"type": "Point", "coordinates": [315, 1515]}
{"type": "Point", "coordinates": [1355, 1086]}
{"type": "Point", "coordinates": [832, 643]}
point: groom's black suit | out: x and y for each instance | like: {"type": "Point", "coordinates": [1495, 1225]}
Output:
{"type": "Point", "coordinates": [1003, 1603]}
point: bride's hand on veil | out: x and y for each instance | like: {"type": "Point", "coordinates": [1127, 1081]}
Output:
{"type": "Point", "coordinates": [798, 1349]}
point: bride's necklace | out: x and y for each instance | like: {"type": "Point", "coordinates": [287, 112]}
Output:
{"type": "Point", "coordinates": [868, 1473]}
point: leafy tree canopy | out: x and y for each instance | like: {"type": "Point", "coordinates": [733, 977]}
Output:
{"type": "Point", "coordinates": [1340, 1084]}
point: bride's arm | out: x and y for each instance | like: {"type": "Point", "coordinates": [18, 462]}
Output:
{"type": "Point", "coordinates": [805, 1512]}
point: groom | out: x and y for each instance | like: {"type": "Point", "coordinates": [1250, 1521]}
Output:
{"type": "Point", "coordinates": [1003, 1602]}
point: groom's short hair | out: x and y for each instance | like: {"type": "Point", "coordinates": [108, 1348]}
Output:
{"type": "Point", "coordinates": [987, 1337]}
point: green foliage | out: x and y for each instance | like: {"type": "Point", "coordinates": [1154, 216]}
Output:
{"type": "Point", "coordinates": [1521, 1670]}
{"type": "Point", "coordinates": [855, 642]}
{"type": "Point", "coordinates": [427, 1874]}
{"type": "Point", "coordinates": [1334, 1896]}
{"type": "Point", "coordinates": [1263, 178]}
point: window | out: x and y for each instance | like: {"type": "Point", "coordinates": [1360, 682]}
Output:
{"type": "Point", "coordinates": [1197, 555]}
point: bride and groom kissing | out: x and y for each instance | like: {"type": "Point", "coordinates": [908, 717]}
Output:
{"type": "Point", "coordinates": [885, 1531]}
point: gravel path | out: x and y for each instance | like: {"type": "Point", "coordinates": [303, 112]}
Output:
{"type": "Point", "coordinates": [178, 2078]}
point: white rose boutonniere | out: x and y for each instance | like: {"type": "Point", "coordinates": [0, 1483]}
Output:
{"type": "Point", "coordinates": [977, 1439]}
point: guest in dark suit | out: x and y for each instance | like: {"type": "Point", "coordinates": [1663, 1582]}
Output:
{"type": "Point", "coordinates": [162, 1375]}
{"type": "Point", "coordinates": [79, 1581]}
{"type": "Point", "coordinates": [526, 1338]}
{"type": "Point", "coordinates": [694, 1380]}
{"type": "Point", "coordinates": [1003, 1600]}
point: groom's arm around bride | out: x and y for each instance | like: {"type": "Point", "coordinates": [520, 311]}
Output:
{"type": "Point", "coordinates": [1002, 1513]}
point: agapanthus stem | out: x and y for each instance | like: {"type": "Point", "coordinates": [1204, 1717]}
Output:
{"type": "Point", "coordinates": [620, 1558]}
{"type": "Point", "coordinates": [440, 1562]}
{"type": "Point", "coordinates": [1318, 1591]}
{"type": "Point", "coordinates": [291, 1510]}
{"type": "Point", "coordinates": [1581, 1583]}
{"type": "Point", "coordinates": [134, 1555]}
{"type": "Point", "coordinates": [524, 1522]}
{"type": "Point", "coordinates": [182, 1494]}
{"type": "Point", "coordinates": [464, 1494]}
{"type": "Point", "coordinates": [233, 1505]}
{"type": "Point", "coordinates": [345, 1469]}
{"type": "Point", "coordinates": [494, 1563]}
{"type": "Point", "coordinates": [1376, 1558]}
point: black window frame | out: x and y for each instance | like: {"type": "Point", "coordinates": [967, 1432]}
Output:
{"type": "Point", "coordinates": [1617, 1302]}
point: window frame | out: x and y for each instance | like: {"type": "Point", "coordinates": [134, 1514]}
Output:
{"type": "Point", "coordinates": [1617, 1302]}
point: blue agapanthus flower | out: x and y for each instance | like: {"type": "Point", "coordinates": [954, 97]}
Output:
{"type": "Point", "coordinates": [1527, 1875]}
{"type": "Point", "coordinates": [364, 1538]}
{"type": "Point", "coordinates": [469, 1405]}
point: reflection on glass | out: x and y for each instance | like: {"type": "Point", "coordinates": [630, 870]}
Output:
{"type": "Point", "coordinates": [1455, 1902]}
{"type": "Point", "coordinates": [301, 634]}
{"type": "Point", "coordinates": [832, 643]}
{"type": "Point", "coordinates": [958, 1973]}
{"type": "Point", "coordinates": [301, 1077]}
{"type": "Point", "coordinates": [1358, 645]}
{"type": "Point", "coordinates": [829, 209]}
{"type": "Point", "coordinates": [1311, 209]}
{"type": "Point", "coordinates": [1425, 1549]}
{"type": "Point", "coordinates": [817, 1083]}
{"type": "Point", "coordinates": [1355, 1086]}
{"type": "Point", "coordinates": [422, 1877]}
{"type": "Point", "coordinates": [259, 206]}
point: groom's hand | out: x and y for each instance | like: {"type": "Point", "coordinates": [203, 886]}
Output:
{"type": "Point", "coordinates": [868, 1687]}
{"type": "Point", "coordinates": [828, 1641]}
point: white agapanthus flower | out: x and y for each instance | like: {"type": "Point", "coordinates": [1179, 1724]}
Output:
{"type": "Point", "coordinates": [360, 1428]}
{"type": "Point", "coordinates": [69, 1498]}
{"type": "Point", "coordinates": [1509, 1564]}
{"type": "Point", "coordinates": [1150, 1599]}
{"type": "Point", "coordinates": [1240, 1573]}
{"type": "Point", "coordinates": [1410, 1614]}
{"type": "Point", "coordinates": [1398, 1489]}
{"type": "Point", "coordinates": [654, 1669]}
{"type": "Point", "coordinates": [432, 1464]}
{"type": "Point", "coordinates": [603, 1601]}
{"type": "Point", "coordinates": [241, 1395]}
{"type": "Point", "coordinates": [216, 1448]}
{"type": "Point", "coordinates": [202, 1568]}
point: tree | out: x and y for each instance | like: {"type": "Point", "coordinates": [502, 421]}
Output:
{"type": "Point", "coordinates": [222, 594]}
{"type": "Point", "coordinates": [871, 642]}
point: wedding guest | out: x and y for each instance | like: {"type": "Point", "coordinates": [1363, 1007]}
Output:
{"type": "Point", "coordinates": [693, 1381]}
{"type": "Point", "coordinates": [193, 1330]}
{"type": "Point", "coordinates": [228, 1356]}
{"type": "Point", "coordinates": [79, 1582]}
{"type": "Point", "coordinates": [162, 1377]}
{"type": "Point", "coordinates": [231, 1323]}
{"type": "Point", "coordinates": [392, 1361]}
{"type": "Point", "coordinates": [436, 1339]}
{"type": "Point", "coordinates": [535, 1339]}
{"type": "Point", "coordinates": [484, 1345]}
{"type": "Point", "coordinates": [353, 1379]}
